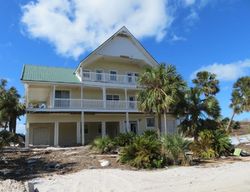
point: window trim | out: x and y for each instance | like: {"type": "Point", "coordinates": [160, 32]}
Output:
{"type": "Point", "coordinates": [102, 74]}
{"type": "Point", "coordinates": [113, 97]}
{"type": "Point", "coordinates": [86, 70]}
{"type": "Point", "coordinates": [113, 75]}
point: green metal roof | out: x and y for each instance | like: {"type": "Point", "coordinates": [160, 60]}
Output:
{"type": "Point", "coordinates": [48, 74]}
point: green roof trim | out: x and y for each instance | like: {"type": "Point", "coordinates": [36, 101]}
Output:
{"type": "Point", "coordinates": [49, 74]}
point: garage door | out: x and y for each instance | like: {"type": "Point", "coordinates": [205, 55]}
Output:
{"type": "Point", "coordinates": [67, 134]}
{"type": "Point", "coordinates": [41, 136]}
{"type": "Point", "coordinates": [43, 133]}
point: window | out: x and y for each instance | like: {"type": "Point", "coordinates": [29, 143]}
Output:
{"type": "Point", "coordinates": [86, 74]}
{"type": "Point", "coordinates": [98, 75]}
{"type": "Point", "coordinates": [130, 79]}
{"type": "Point", "coordinates": [113, 75]}
{"type": "Point", "coordinates": [113, 97]}
{"type": "Point", "coordinates": [62, 99]}
{"type": "Point", "coordinates": [150, 122]}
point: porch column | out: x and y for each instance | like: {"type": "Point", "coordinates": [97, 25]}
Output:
{"type": "Point", "coordinates": [78, 132]}
{"type": "Point", "coordinates": [127, 122]}
{"type": "Point", "coordinates": [103, 129]}
{"type": "Point", "coordinates": [81, 73]}
{"type": "Point", "coordinates": [27, 135]}
{"type": "Point", "coordinates": [56, 134]}
{"type": "Point", "coordinates": [126, 97]}
{"type": "Point", "coordinates": [82, 125]}
{"type": "Point", "coordinates": [104, 97]}
{"type": "Point", "coordinates": [165, 123]}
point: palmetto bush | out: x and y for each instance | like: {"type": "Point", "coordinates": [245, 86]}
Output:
{"type": "Point", "coordinates": [175, 147]}
{"type": "Point", "coordinates": [221, 142]}
{"type": "Point", "coordinates": [143, 152]}
{"type": "Point", "coordinates": [124, 139]}
{"type": "Point", "coordinates": [103, 145]}
{"type": "Point", "coordinates": [211, 143]}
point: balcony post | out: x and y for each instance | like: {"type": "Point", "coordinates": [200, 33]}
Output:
{"type": "Point", "coordinates": [104, 97]}
{"type": "Point", "coordinates": [53, 96]}
{"type": "Point", "coordinates": [126, 98]}
{"type": "Point", "coordinates": [81, 96]}
{"type": "Point", "coordinates": [27, 94]}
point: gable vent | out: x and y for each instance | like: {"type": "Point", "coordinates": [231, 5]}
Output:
{"type": "Point", "coordinates": [124, 56]}
{"type": "Point", "coordinates": [123, 34]}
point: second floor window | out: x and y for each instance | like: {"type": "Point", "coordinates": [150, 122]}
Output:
{"type": "Point", "coordinates": [86, 74]}
{"type": "Point", "coordinates": [98, 75]}
{"type": "Point", "coordinates": [113, 97]}
{"type": "Point", "coordinates": [62, 99]}
{"type": "Point", "coordinates": [113, 75]}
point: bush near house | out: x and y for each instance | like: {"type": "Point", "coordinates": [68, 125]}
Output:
{"type": "Point", "coordinates": [124, 139]}
{"type": "Point", "coordinates": [175, 147]}
{"type": "Point", "coordinates": [143, 152]}
{"type": "Point", "coordinates": [7, 137]}
{"type": "Point", "coordinates": [103, 145]}
{"type": "Point", "coordinates": [211, 144]}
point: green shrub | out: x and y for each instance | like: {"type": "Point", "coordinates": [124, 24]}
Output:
{"type": "Point", "coordinates": [212, 143]}
{"type": "Point", "coordinates": [151, 134]}
{"type": "Point", "coordinates": [103, 145]}
{"type": "Point", "coordinates": [175, 147]}
{"type": "Point", "coordinates": [124, 139]}
{"type": "Point", "coordinates": [202, 148]}
{"type": "Point", "coordinates": [143, 152]}
{"type": "Point", "coordinates": [7, 137]}
{"type": "Point", "coordinates": [221, 142]}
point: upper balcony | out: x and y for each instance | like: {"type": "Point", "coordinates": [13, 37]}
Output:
{"type": "Point", "coordinates": [86, 105]}
{"type": "Point", "coordinates": [112, 78]}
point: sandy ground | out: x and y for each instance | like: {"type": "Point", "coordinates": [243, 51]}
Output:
{"type": "Point", "coordinates": [223, 178]}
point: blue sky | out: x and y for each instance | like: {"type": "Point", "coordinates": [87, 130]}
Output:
{"type": "Point", "coordinates": [191, 34]}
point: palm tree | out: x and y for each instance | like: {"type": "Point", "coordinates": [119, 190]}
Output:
{"type": "Point", "coordinates": [162, 88]}
{"type": "Point", "coordinates": [10, 107]}
{"type": "Point", "coordinates": [207, 83]}
{"type": "Point", "coordinates": [200, 105]}
{"type": "Point", "coordinates": [240, 99]}
{"type": "Point", "coordinates": [198, 112]}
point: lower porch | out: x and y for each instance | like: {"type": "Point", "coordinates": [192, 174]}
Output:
{"type": "Point", "coordinates": [80, 129]}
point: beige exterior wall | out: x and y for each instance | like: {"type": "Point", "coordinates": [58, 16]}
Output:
{"type": "Point", "coordinates": [121, 67]}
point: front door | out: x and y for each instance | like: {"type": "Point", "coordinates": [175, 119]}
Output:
{"type": "Point", "coordinates": [133, 126]}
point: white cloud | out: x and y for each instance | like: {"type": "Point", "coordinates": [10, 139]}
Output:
{"type": "Point", "coordinates": [227, 72]}
{"type": "Point", "coordinates": [76, 26]}
{"type": "Point", "coordinates": [178, 38]}
{"type": "Point", "coordinates": [189, 2]}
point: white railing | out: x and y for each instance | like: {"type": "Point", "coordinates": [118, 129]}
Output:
{"type": "Point", "coordinates": [92, 104]}
{"type": "Point", "coordinates": [109, 78]}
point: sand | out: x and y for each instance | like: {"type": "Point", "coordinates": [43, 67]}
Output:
{"type": "Point", "coordinates": [227, 177]}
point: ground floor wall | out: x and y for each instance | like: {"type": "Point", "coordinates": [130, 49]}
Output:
{"type": "Point", "coordinates": [69, 129]}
